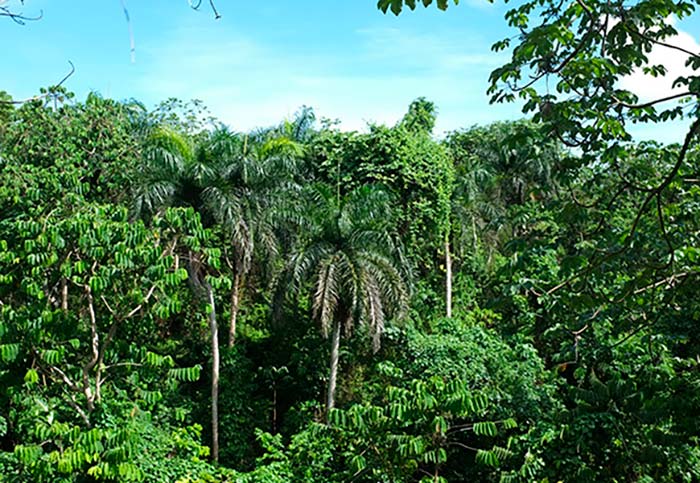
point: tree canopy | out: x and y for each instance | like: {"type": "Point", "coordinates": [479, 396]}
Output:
{"type": "Point", "coordinates": [516, 302]}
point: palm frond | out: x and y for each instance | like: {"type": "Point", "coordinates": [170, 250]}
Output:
{"type": "Point", "coordinates": [326, 296]}
{"type": "Point", "coordinates": [392, 287]}
{"type": "Point", "coordinates": [351, 286]}
{"type": "Point", "coordinates": [167, 139]}
{"type": "Point", "coordinates": [151, 196]}
{"type": "Point", "coordinates": [373, 313]}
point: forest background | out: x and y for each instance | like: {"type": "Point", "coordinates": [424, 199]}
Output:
{"type": "Point", "coordinates": [512, 302]}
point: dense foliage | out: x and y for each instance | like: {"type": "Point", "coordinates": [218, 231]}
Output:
{"type": "Point", "coordinates": [128, 236]}
{"type": "Point", "coordinates": [515, 302]}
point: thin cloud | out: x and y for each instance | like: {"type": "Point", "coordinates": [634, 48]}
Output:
{"type": "Point", "coordinates": [250, 83]}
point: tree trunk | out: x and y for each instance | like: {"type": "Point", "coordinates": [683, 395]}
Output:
{"type": "Point", "coordinates": [274, 408]}
{"type": "Point", "coordinates": [448, 277]}
{"type": "Point", "coordinates": [235, 303]}
{"type": "Point", "coordinates": [335, 351]}
{"type": "Point", "coordinates": [64, 294]}
{"type": "Point", "coordinates": [214, 374]}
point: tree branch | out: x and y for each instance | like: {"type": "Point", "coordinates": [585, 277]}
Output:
{"type": "Point", "coordinates": [42, 96]}
{"type": "Point", "coordinates": [140, 306]}
{"type": "Point", "coordinates": [19, 18]}
{"type": "Point", "coordinates": [195, 4]}
{"type": "Point", "coordinates": [654, 102]}
{"type": "Point", "coordinates": [95, 345]}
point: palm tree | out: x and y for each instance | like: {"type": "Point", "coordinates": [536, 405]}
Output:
{"type": "Point", "coordinates": [498, 166]}
{"type": "Point", "coordinates": [238, 182]}
{"type": "Point", "coordinates": [354, 267]}
{"type": "Point", "coordinates": [249, 199]}
{"type": "Point", "coordinates": [474, 208]}
{"type": "Point", "coordinates": [232, 184]}
{"type": "Point", "coordinates": [176, 172]}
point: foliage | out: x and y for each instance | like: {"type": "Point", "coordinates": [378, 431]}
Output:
{"type": "Point", "coordinates": [92, 161]}
{"type": "Point", "coordinates": [566, 321]}
{"type": "Point", "coordinates": [396, 6]}
{"type": "Point", "coordinates": [422, 425]}
{"type": "Point", "coordinates": [406, 161]}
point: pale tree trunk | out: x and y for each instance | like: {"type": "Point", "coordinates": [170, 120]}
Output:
{"type": "Point", "coordinates": [64, 294]}
{"type": "Point", "coordinates": [448, 276]}
{"type": "Point", "coordinates": [215, 363]}
{"type": "Point", "coordinates": [335, 352]}
{"type": "Point", "coordinates": [235, 304]}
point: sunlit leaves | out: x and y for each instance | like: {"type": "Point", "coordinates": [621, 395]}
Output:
{"type": "Point", "coordinates": [89, 274]}
{"type": "Point", "coordinates": [421, 423]}
{"type": "Point", "coordinates": [9, 352]}
{"type": "Point", "coordinates": [185, 374]}
{"type": "Point", "coordinates": [396, 6]}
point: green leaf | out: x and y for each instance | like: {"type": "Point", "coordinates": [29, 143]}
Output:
{"type": "Point", "coordinates": [31, 376]}
{"type": "Point", "coordinates": [485, 428]}
{"type": "Point", "coordinates": [9, 352]}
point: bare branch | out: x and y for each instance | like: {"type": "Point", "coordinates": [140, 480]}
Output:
{"type": "Point", "coordinates": [195, 4]}
{"type": "Point", "coordinates": [659, 42]}
{"type": "Point", "coordinates": [668, 281]}
{"type": "Point", "coordinates": [139, 306]}
{"type": "Point", "coordinates": [654, 102]}
{"type": "Point", "coordinates": [104, 300]}
{"type": "Point", "coordinates": [71, 401]}
{"type": "Point", "coordinates": [42, 96]}
{"type": "Point", "coordinates": [132, 43]}
{"type": "Point", "coordinates": [17, 17]}
{"type": "Point", "coordinates": [64, 377]}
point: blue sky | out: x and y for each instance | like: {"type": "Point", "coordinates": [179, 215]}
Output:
{"type": "Point", "coordinates": [264, 59]}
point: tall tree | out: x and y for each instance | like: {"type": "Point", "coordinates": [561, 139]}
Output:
{"type": "Point", "coordinates": [176, 172]}
{"type": "Point", "coordinates": [250, 199]}
{"type": "Point", "coordinates": [419, 122]}
{"type": "Point", "coordinates": [499, 167]}
{"type": "Point", "coordinates": [353, 263]}
{"type": "Point", "coordinates": [234, 183]}
{"type": "Point", "coordinates": [414, 167]}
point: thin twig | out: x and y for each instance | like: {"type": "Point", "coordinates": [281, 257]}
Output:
{"type": "Point", "coordinates": [132, 43]}
{"type": "Point", "coordinates": [19, 18]}
{"type": "Point", "coordinates": [47, 93]}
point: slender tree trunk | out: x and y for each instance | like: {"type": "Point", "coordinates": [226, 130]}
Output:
{"type": "Point", "coordinates": [215, 363]}
{"type": "Point", "coordinates": [448, 276]}
{"type": "Point", "coordinates": [274, 408]}
{"type": "Point", "coordinates": [64, 294]}
{"type": "Point", "coordinates": [335, 351]}
{"type": "Point", "coordinates": [235, 304]}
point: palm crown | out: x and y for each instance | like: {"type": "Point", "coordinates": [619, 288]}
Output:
{"type": "Point", "coordinates": [354, 265]}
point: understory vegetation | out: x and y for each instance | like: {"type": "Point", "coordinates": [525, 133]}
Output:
{"type": "Point", "coordinates": [184, 303]}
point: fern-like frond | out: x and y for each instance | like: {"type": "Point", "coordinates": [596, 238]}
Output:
{"type": "Point", "coordinates": [326, 296]}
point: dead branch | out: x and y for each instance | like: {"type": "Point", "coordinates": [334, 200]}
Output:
{"type": "Point", "coordinates": [18, 17]}
{"type": "Point", "coordinates": [198, 3]}
{"type": "Point", "coordinates": [46, 94]}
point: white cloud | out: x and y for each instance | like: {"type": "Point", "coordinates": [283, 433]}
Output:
{"type": "Point", "coordinates": [249, 83]}
{"type": "Point", "coordinates": [647, 87]}
{"type": "Point", "coordinates": [429, 51]}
